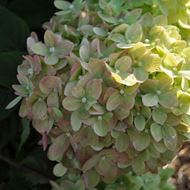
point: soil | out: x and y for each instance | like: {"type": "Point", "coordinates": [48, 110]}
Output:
{"type": "Point", "coordinates": [181, 164]}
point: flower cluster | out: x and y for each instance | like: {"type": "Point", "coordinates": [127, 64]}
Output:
{"type": "Point", "coordinates": [108, 88]}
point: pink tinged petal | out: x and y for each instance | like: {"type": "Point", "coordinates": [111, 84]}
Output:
{"type": "Point", "coordinates": [58, 148]}
{"type": "Point", "coordinates": [94, 88]}
{"type": "Point", "coordinates": [39, 109]}
{"type": "Point", "coordinates": [44, 141]}
{"type": "Point", "coordinates": [23, 109]}
{"type": "Point", "coordinates": [49, 38]}
{"type": "Point", "coordinates": [51, 59]}
{"type": "Point", "coordinates": [20, 90]}
{"type": "Point", "coordinates": [113, 101]}
{"type": "Point", "coordinates": [48, 83]}
{"type": "Point", "coordinates": [64, 48]}
{"type": "Point", "coordinates": [40, 49]}
{"type": "Point", "coordinates": [37, 64]}
{"type": "Point", "coordinates": [53, 100]}
{"type": "Point", "coordinates": [78, 91]}
{"type": "Point", "coordinates": [71, 103]}
{"type": "Point", "coordinates": [43, 126]}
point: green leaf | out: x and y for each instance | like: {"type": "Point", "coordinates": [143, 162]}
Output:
{"type": "Point", "coordinates": [166, 173]}
{"type": "Point", "coordinates": [113, 101]}
{"type": "Point", "coordinates": [134, 33]}
{"type": "Point", "coordinates": [159, 116]}
{"type": "Point", "coordinates": [13, 102]}
{"type": "Point", "coordinates": [25, 132]}
{"type": "Point", "coordinates": [156, 131]}
{"type": "Point", "coordinates": [139, 122]}
{"type": "Point", "coordinates": [59, 170]}
{"type": "Point", "coordinates": [13, 32]}
{"type": "Point", "coordinates": [75, 121]}
{"type": "Point", "coordinates": [71, 103]}
{"type": "Point", "coordinates": [150, 100]}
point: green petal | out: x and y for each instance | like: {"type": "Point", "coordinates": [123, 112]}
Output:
{"type": "Point", "coordinates": [141, 141]}
{"type": "Point", "coordinates": [138, 166]}
{"type": "Point", "coordinates": [93, 178]}
{"type": "Point", "coordinates": [90, 163]}
{"type": "Point", "coordinates": [170, 60]}
{"type": "Point", "coordinates": [105, 166]}
{"type": "Point", "coordinates": [156, 131]}
{"type": "Point", "coordinates": [100, 128]}
{"type": "Point", "coordinates": [140, 74]}
{"type": "Point", "coordinates": [84, 50]}
{"type": "Point", "coordinates": [150, 100]}
{"type": "Point", "coordinates": [113, 101]}
{"type": "Point", "coordinates": [59, 170]}
{"type": "Point", "coordinates": [63, 5]}
{"type": "Point", "coordinates": [132, 16]}
{"type": "Point", "coordinates": [168, 100]}
{"type": "Point", "coordinates": [75, 121]}
{"type": "Point", "coordinates": [160, 147]}
{"type": "Point", "coordinates": [100, 31]}
{"type": "Point", "coordinates": [51, 59]}
{"type": "Point", "coordinates": [94, 88]}
{"type": "Point", "coordinates": [139, 122]}
{"type": "Point", "coordinates": [123, 64]}
{"type": "Point", "coordinates": [159, 116]}
{"type": "Point", "coordinates": [71, 103]}
{"type": "Point", "coordinates": [134, 33]}
{"type": "Point", "coordinates": [40, 49]}
{"type": "Point", "coordinates": [49, 38]}
{"type": "Point", "coordinates": [122, 142]}
{"type": "Point", "coordinates": [170, 137]}
{"type": "Point", "coordinates": [122, 112]}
